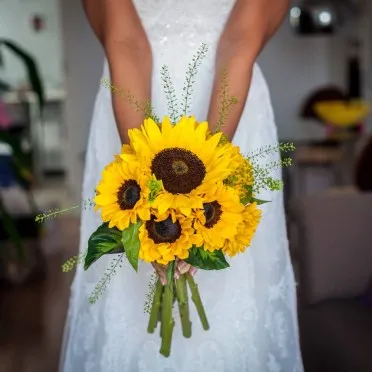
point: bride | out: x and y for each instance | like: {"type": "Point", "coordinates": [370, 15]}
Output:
{"type": "Point", "coordinates": [252, 307]}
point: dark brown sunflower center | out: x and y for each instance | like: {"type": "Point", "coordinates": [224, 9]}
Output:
{"type": "Point", "coordinates": [129, 194]}
{"type": "Point", "coordinates": [163, 231]}
{"type": "Point", "coordinates": [180, 170]}
{"type": "Point", "coordinates": [212, 213]}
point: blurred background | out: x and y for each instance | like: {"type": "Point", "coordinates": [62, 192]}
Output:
{"type": "Point", "coordinates": [319, 68]}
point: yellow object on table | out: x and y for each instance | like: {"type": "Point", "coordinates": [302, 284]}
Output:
{"type": "Point", "coordinates": [342, 113]}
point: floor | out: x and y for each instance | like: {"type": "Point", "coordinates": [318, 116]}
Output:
{"type": "Point", "coordinates": [32, 315]}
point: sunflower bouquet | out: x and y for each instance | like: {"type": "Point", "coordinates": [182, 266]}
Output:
{"type": "Point", "coordinates": [178, 192]}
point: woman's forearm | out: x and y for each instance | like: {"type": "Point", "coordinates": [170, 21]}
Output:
{"type": "Point", "coordinates": [119, 29]}
{"type": "Point", "coordinates": [237, 65]}
{"type": "Point", "coordinates": [128, 53]}
{"type": "Point", "coordinates": [250, 25]}
{"type": "Point", "coordinates": [130, 70]}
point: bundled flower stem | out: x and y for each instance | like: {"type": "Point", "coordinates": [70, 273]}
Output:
{"type": "Point", "coordinates": [183, 305]}
{"type": "Point", "coordinates": [195, 296]}
{"type": "Point", "coordinates": [162, 306]}
{"type": "Point", "coordinates": [167, 317]}
{"type": "Point", "coordinates": [155, 309]}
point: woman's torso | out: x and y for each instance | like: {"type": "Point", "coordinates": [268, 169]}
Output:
{"type": "Point", "coordinates": [176, 29]}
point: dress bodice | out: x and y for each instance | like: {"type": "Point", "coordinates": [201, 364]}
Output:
{"type": "Point", "coordinates": [187, 22]}
{"type": "Point", "coordinates": [177, 28]}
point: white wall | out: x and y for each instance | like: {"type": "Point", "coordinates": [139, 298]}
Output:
{"type": "Point", "coordinates": [15, 18]}
{"type": "Point", "coordinates": [83, 62]}
{"type": "Point", "coordinates": [295, 66]}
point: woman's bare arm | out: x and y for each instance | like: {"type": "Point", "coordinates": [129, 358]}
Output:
{"type": "Point", "coordinates": [250, 25]}
{"type": "Point", "coordinates": [119, 29]}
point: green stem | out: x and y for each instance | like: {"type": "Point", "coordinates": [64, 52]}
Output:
{"type": "Point", "coordinates": [195, 296]}
{"type": "Point", "coordinates": [183, 305]}
{"type": "Point", "coordinates": [167, 318]}
{"type": "Point", "coordinates": [42, 217]}
{"type": "Point", "coordinates": [160, 317]}
{"type": "Point", "coordinates": [156, 302]}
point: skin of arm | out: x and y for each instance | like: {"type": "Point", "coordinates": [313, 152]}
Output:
{"type": "Point", "coordinates": [119, 30]}
{"type": "Point", "coordinates": [250, 26]}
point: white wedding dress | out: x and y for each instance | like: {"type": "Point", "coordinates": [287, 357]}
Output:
{"type": "Point", "coordinates": [251, 306]}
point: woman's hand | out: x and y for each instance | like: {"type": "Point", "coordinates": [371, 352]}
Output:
{"type": "Point", "coordinates": [181, 268]}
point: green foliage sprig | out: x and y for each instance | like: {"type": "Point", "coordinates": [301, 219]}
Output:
{"type": "Point", "coordinates": [170, 94]}
{"type": "Point", "coordinates": [110, 272]}
{"type": "Point", "coordinates": [263, 178]}
{"type": "Point", "coordinates": [150, 293]}
{"type": "Point", "coordinates": [55, 212]}
{"type": "Point", "coordinates": [226, 102]}
{"type": "Point", "coordinates": [144, 107]}
{"type": "Point", "coordinates": [155, 187]}
{"type": "Point", "coordinates": [190, 77]}
{"type": "Point", "coordinates": [271, 149]}
{"type": "Point", "coordinates": [74, 261]}
{"type": "Point", "coordinates": [262, 173]}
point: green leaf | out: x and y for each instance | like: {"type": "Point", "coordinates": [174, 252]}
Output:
{"type": "Point", "coordinates": [206, 260]}
{"type": "Point", "coordinates": [131, 243]}
{"type": "Point", "coordinates": [258, 201]}
{"type": "Point", "coordinates": [250, 199]}
{"type": "Point", "coordinates": [31, 68]}
{"type": "Point", "coordinates": [103, 241]}
{"type": "Point", "coordinates": [170, 271]}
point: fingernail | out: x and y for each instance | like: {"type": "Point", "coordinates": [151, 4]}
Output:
{"type": "Point", "coordinates": [163, 281]}
{"type": "Point", "coordinates": [176, 276]}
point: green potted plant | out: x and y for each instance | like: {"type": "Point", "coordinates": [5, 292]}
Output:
{"type": "Point", "coordinates": [17, 259]}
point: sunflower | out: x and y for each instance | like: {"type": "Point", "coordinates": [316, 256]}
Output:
{"type": "Point", "coordinates": [165, 238]}
{"type": "Point", "coordinates": [183, 156]}
{"type": "Point", "coordinates": [237, 158]}
{"type": "Point", "coordinates": [220, 216]}
{"type": "Point", "coordinates": [246, 230]}
{"type": "Point", "coordinates": [121, 194]}
{"type": "Point", "coordinates": [242, 175]}
{"type": "Point", "coordinates": [128, 154]}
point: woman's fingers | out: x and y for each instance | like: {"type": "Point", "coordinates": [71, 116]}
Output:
{"type": "Point", "coordinates": [177, 274]}
{"type": "Point", "coordinates": [183, 267]}
{"type": "Point", "coordinates": [193, 270]}
{"type": "Point", "coordinates": [161, 271]}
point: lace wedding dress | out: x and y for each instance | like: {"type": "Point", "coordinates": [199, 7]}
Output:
{"type": "Point", "coordinates": [251, 306]}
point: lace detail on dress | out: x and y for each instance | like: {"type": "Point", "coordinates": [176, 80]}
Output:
{"type": "Point", "coordinates": [252, 306]}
